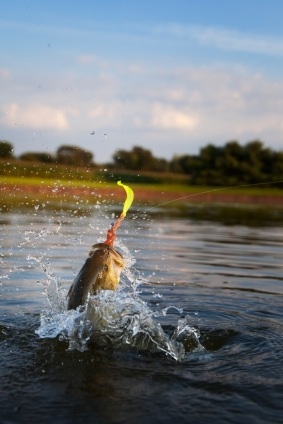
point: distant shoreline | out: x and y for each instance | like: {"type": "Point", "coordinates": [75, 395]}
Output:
{"type": "Point", "coordinates": [13, 190]}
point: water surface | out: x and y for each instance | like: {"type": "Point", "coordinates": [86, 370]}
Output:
{"type": "Point", "coordinates": [223, 282]}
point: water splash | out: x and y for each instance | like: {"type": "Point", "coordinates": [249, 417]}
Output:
{"type": "Point", "coordinates": [53, 289]}
{"type": "Point", "coordinates": [113, 319]}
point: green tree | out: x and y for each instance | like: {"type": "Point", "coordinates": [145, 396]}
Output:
{"type": "Point", "coordinates": [235, 164]}
{"type": "Point", "coordinates": [37, 157]}
{"type": "Point", "coordinates": [74, 156]}
{"type": "Point", "coordinates": [139, 159]}
{"type": "Point", "coordinates": [185, 164]}
{"type": "Point", "coordinates": [229, 165]}
{"type": "Point", "coordinates": [210, 156]}
{"type": "Point", "coordinates": [6, 150]}
{"type": "Point", "coordinates": [276, 166]}
{"type": "Point", "coordinates": [175, 165]}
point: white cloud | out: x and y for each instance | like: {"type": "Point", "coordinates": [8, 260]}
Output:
{"type": "Point", "coordinates": [35, 116]}
{"type": "Point", "coordinates": [86, 59]}
{"type": "Point", "coordinates": [105, 114]}
{"type": "Point", "coordinates": [234, 40]}
{"type": "Point", "coordinates": [170, 117]}
{"type": "Point", "coordinates": [173, 109]}
{"type": "Point", "coordinates": [226, 39]}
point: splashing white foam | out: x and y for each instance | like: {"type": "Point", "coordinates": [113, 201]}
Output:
{"type": "Point", "coordinates": [118, 320]}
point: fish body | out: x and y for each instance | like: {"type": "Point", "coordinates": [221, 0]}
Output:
{"type": "Point", "coordinates": [101, 271]}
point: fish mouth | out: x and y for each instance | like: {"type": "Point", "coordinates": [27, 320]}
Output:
{"type": "Point", "coordinates": [112, 263]}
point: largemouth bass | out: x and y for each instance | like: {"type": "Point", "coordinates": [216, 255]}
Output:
{"type": "Point", "coordinates": [102, 269]}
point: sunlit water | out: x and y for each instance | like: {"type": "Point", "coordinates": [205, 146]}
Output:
{"type": "Point", "coordinates": [194, 333]}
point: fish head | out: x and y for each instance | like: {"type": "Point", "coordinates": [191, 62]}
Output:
{"type": "Point", "coordinates": [111, 263]}
{"type": "Point", "coordinates": [101, 271]}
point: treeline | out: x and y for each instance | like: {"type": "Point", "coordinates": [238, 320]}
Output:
{"type": "Point", "coordinates": [66, 155]}
{"type": "Point", "coordinates": [231, 164]}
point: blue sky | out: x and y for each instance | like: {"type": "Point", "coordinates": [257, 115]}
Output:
{"type": "Point", "coordinates": [170, 76]}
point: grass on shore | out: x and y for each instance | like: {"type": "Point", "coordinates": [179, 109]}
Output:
{"type": "Point", "coordinates": [79, 197]}
{"type": "Point", "coordinates": [253, 189]}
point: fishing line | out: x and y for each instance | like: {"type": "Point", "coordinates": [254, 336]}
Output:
{"type": "Point", "coordinates": [212, 190]}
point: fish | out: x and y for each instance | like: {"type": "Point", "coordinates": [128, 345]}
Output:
{"type": "Point", "coordinates": [102, 268]}
{"type": "Point", "coordinates": [101, 271]}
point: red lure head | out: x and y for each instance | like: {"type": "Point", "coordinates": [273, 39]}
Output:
{"type": "Point", "coordinates": [111, 235]}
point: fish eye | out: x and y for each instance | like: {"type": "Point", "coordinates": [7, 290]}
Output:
{"type": "Point", "coordinates": [119, 263]}
{"type": "Point", "coordinates": [105, 267]}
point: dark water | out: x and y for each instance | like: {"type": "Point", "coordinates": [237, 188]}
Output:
{"type": "Point", "coordinates": [224, 281]}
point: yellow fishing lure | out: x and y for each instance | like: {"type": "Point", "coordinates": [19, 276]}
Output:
{"type": "Point", "coordinates": [129, 199]}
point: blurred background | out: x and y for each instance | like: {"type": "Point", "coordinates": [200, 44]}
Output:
{"type": "Point", "coordinates": [168, 76]}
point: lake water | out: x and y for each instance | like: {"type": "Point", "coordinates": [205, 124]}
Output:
{"type": "Point", "coordinates": [194, 334]}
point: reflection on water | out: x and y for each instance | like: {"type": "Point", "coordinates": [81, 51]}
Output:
{"type": "Point", "coordinates": [251, 216]}
{"type": "Point", "coordinates": [190, 282]}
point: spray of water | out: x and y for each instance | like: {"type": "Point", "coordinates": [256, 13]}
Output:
{"type": "Point", "coordinates": [113, 319]}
